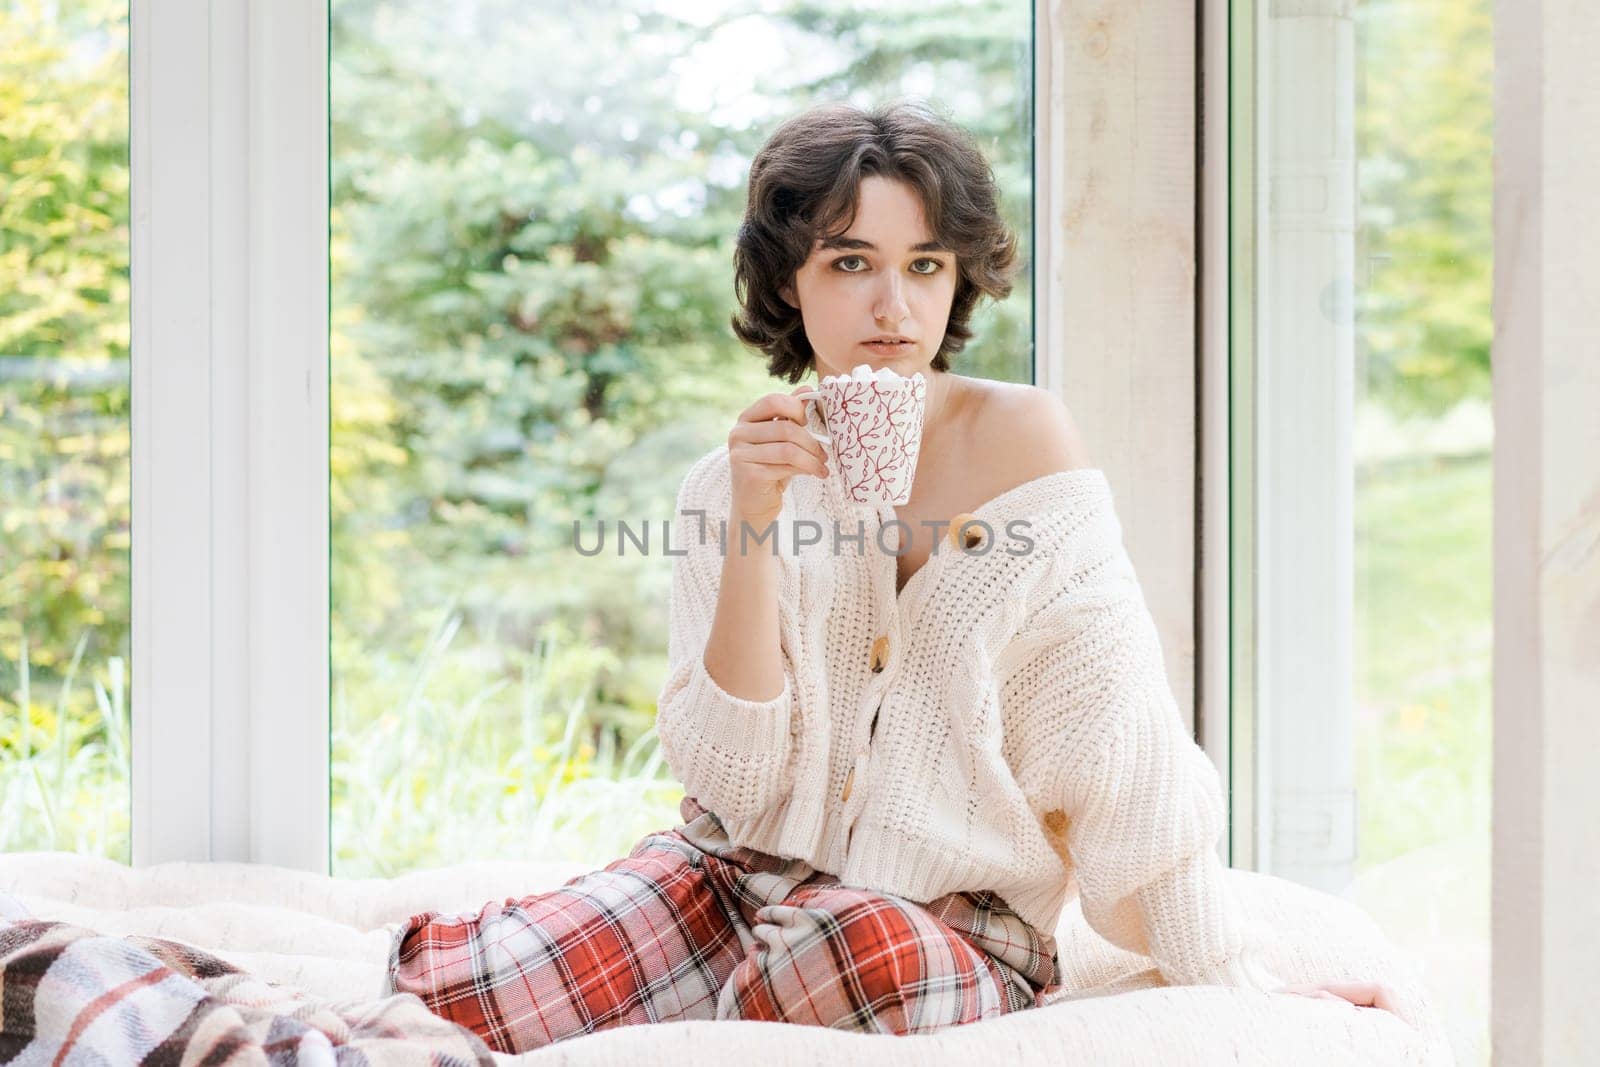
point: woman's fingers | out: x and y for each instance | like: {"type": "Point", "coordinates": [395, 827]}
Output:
{"type": "Point", "coordinates": [1361, 994]}
{"type": "Point", "coordinates": [784, 406]}
{"type": "Point", "coordinates": [768, 445]}
{"type": "Point", "coordinates": [1374, 995]}
{"type": "Point", "coordinates": [777, 431]}
{"type": "Point", "coordinates": [787, 454]}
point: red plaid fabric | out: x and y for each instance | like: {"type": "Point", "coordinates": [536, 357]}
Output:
{"type": "Point", "coordinates": [689, 927]}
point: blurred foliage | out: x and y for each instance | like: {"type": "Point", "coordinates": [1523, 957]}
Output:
{"type": "Point", "coordinates": [64, 167]}
{"type": "Point", "coordinates": [1425, 135]}
{"type": "Point", "coordinates": [64, 246]}
{"type": "Point", "coordinates": [65, 612]}
{"type": "Point", "coordinates": [508, 772]}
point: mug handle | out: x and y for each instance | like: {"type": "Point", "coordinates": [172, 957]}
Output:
{"type": "Point", "coordinates": [814, 394]}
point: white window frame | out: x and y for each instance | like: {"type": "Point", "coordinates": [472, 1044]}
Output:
{"type": "Point", "coordinates": [230, 384]}
{"type": "Point", "coordinates": [1224, 593]}
{"type": "Point", "coordinates": [230, 431]}
{"type": "Point", "coordinates": [1278, 513]}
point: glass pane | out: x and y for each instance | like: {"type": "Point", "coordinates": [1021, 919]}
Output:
{"type": "Point", "coordinates": [1374, 438]}
{"type": "Point", "coordinates": [64, 427]}
{"type": "Point", "coordinates": [534, 208]}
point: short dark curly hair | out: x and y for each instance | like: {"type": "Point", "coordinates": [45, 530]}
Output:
{"type": "Point", "coordinates": [804, 184]}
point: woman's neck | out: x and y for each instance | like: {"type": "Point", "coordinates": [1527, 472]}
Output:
{"type": "Point", "coordinates": [937, 410]}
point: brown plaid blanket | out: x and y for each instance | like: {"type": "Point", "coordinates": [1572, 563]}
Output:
{"type": "Point", "coordinates": [70, 995]}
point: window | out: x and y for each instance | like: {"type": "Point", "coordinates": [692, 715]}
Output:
{"type": "Point", "coordinates": [65, 617]}
{"type": "Point", "coordinates": [1361, 268]}
{"type": "Point", "coordinates": [532, 279]}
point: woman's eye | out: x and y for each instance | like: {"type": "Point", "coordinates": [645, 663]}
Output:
{"type": "Point", "coordinates": [921, 266]}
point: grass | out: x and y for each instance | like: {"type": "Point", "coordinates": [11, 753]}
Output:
{"type": "Point", "coordinates": [1424, 631]}
{"type": "Point", "coordinates": [64, 766]}
{"type": "Point", "coordinates": [508, 772]}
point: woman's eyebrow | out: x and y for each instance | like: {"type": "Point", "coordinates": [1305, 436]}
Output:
{"type": "Point", "coordinates": [856, 242]}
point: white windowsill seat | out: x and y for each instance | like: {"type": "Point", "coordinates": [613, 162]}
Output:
{"type": "Point", "coordinates": [328, 936]}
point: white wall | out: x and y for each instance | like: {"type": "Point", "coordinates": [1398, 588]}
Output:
{"type": "Point", "coordinates": [1117, 227]}
{"type": "Point", "coordinates": [1546, 864]}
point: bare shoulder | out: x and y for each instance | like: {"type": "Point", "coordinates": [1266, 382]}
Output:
{"type": "Point", "coordinates": [1029, 431]}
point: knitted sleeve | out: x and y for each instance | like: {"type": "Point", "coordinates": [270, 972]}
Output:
{"type": "Point", "coordinates": [1100, 739]}
{"type": "Point", "coordinates": [730, 753]}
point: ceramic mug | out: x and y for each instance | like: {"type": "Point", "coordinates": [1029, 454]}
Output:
{"type": "Point", "coordinates": [874, 433]}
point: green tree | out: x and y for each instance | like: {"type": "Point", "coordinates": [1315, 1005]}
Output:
{"type": "Point", "coordinates": [1425, 130]}
{"type": "Point", "coordinates": [64, 424]}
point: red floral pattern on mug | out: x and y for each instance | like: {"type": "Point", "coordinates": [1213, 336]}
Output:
{"type": "Point", "coordinates": [876, 425]}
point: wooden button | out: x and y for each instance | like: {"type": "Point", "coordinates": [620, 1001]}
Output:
{"type": "Point", "coordinates": [849, 780]}
{"type": "Point", "coordinates": [880, 654]}
{"type": "Point", "coordinates": [973, 535]}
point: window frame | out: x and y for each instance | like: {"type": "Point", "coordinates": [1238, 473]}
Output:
{"type": "Point", "coordinates": [1231, 262]}
{"type": "Point", "coordinates": [229, 186]}
{"type": "Point", "coordinates": [1291, 421]}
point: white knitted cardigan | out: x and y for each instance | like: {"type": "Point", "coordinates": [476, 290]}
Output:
{"type": "Point", "coordinates": [1026, 740]}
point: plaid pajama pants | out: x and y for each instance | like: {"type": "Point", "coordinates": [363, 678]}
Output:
{"type": "Point", "coordinates": [689, 927]}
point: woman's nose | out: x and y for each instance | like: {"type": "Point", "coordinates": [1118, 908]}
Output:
{"type": "Point", "coordinates": [891, 305]}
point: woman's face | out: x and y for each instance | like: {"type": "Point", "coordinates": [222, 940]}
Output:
{"type": "Point", "coordinates": [886, 275]}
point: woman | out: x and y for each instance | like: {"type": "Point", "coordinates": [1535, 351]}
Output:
{"type": "Point", "coordinates": [898, 764]}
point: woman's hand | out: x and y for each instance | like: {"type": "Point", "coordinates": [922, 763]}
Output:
{"type": "Point", "coordinates": [766, 447]}
{"type": "Point", "coordinates": [1361, 994]}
